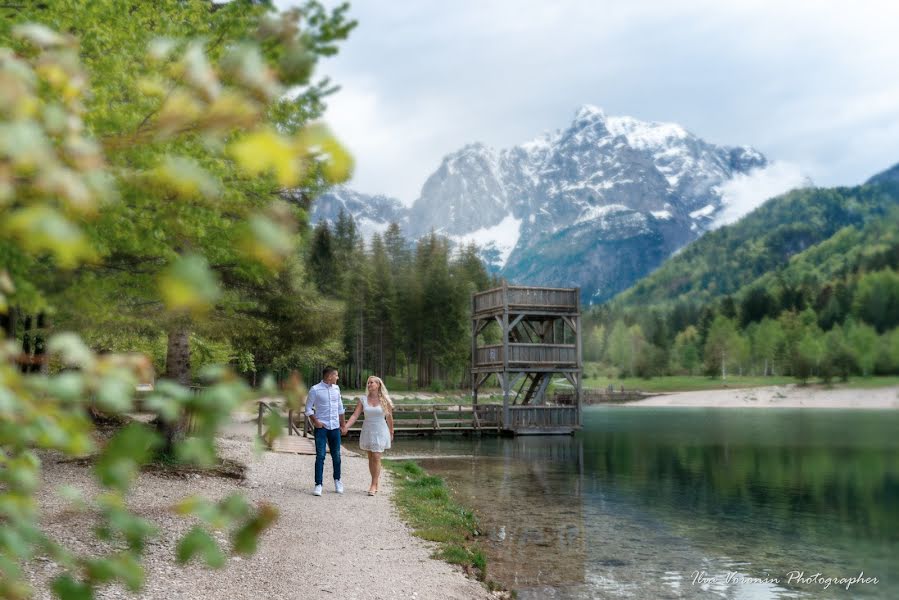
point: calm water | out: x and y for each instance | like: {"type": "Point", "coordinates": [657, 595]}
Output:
{"type": "Point", "coordinates": [681, 503]}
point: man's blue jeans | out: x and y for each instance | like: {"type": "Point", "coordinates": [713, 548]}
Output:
{"type": "Point", "coordinates": [331, 437]}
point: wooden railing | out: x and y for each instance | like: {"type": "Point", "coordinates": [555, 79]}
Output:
{"type": "Point", "coordinates": [519, 297]}
{"type": "Point", "coordinates": [600, 396]}
{"type": "Point", "coordinates": [521, 417]}
{"type": "Point", "coordinates": [411, 418]}
{"type": "Point", "coordinates": [530, 354]}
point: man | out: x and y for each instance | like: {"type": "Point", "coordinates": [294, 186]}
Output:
{"type": "Point", "coordinates": [324, 407]}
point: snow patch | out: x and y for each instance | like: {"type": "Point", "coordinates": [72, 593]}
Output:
{"type": "Point", "coordinates": [743, 193]}
{"type": "Point", "coordinates": [593, 213]}
{"type": "Point", "coordinates": [662, 215]}
{"type": "Point", "coordinates": [589, 111]}
{"type": "Point", "coordinates": [367, 227]}
{"type": "Point", "coordinates": [705, 211]}
{"type": "Point", "coordinates": [645, 134]}
{"type": "Point", "coordinates": [503, 236]}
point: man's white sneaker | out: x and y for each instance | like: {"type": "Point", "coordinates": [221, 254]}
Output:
{"type": "Point", "coordinates": [338, 487]}
{"type": "Point", "coordinates": [317, 491]}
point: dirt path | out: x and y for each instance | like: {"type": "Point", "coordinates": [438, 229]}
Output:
{"type": "Point", "coordinates": [335, 546]}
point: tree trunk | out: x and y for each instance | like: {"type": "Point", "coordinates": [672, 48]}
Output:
{"type": "Point", "coordinates": [177, 368]}
{"type": "Point", "coordinates": [177, 359]}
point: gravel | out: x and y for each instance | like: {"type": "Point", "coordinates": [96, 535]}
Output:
{"type": "Point", "coordinates": [335, 546]}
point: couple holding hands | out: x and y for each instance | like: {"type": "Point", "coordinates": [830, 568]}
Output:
{"type": "Point", "coordinates": [324, 407]}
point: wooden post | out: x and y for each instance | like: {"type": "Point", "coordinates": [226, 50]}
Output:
{"type": "Point", "coordinates": [474, 353]}
{"type": "Point", "coordinates": [259, 421]}
{"type": "Point", "coordinates": [506, 378]}
{"type": "Point", "coordinates": [580, 362]}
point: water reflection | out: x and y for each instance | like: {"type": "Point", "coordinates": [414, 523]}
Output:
{"type": "Point", "coordinates": [527, 493]}
{"type": "Point", "coordinates": [686, 503]}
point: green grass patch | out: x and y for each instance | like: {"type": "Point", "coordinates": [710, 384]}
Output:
{"type": "Point", "coordinates": [686, 383]}
{"type": "Point", "coordinates": [427, 505]}
{"type": "Point", "coordinates": [867, 383]}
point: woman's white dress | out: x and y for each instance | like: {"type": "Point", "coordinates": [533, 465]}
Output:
{"type": "Point", "coordinates": [375, 436]}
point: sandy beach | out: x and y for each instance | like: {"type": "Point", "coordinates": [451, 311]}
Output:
{"type": "Point", "coordinates": [786, 396]}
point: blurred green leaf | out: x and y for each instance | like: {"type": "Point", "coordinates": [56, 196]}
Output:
{"type": "Point", "coordinates": [70, 493]}
{"type": "Point", "coordinates": [274, 426]}
{"type": "Point", "coordinates": [68, 589]}
{"type": "Point", "coordinates": [266, 151]}
{"type": "Point", "coordinates": [41, 229]}
{"type": "Point", "coordinates": [197, 451]}
{"type": "Point", "coordinates": [187, 178]}
{"type": "Point", "coordinates": [115, 394]}
{"type": "Point", "coordinates": [167, 408]}
{"type": "Point", "coordinates": [246, 537]}
{"type": "Point", "coordinates": [198, 541]}
{"type": "Point", "coordinates": [189, 285]}
{"type": "Point", "coordinates": [268, 242]}
{"type": "Point", "coordinates": [24, 144]}
{"type": "Point", "coordinates": [129, 448]}
{"type": "Point", "coordinates": [68, 387]}
{"type": "Point", "coordinates": [337, 162]}
{"type": "Point", "coordinates": [71, 349]}
{"type": "Point", "coordinates": [39, 35]}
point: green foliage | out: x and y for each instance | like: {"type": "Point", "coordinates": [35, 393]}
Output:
{"type": "Point", "coordinates": [403, 308]}
{"type": "Point", "coordinates": [139, 171]}
{"type": "Point", "coordinates": [729, 258]}
{"type": "Point", "coordinates": [877, 299]}
{"type": "Point", "coordinates": [802, 266]}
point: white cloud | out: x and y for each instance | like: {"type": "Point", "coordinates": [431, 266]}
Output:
{"type": "Point", "coordinates": [744, 193]}
{"type": "Point", "coordinates": [810, 82]}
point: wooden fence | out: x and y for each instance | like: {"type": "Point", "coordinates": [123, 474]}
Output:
{"type": "Point", "coordinates": [529, 354]}
{"type": "Point", "coordinates": [526, 297]}
{"type": "Point", "coordinates": [408, 419]}
{"type": "Point", "coordinates": [541, 417]}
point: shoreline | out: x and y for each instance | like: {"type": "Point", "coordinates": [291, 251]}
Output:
{"type": "Point", "coordinates": [780, 396]}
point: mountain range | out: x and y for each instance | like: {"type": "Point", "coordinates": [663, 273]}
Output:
{"type": "Point", "coordinates": [597, 205]}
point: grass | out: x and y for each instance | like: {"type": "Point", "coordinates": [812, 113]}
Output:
{"type": "Point", "coordinates": [426, 504]}
{"type": "Point", "coordinates": [685, 383]}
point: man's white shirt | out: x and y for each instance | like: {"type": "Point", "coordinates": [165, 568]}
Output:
{"type": "Point", "coordinates": [325, 401]}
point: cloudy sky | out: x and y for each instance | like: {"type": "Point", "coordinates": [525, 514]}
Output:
{"type": "Point", "coordinates": [813, 84]}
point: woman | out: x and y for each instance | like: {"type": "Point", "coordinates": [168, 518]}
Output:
{"type": "Point", "coordinates": [377, 428]}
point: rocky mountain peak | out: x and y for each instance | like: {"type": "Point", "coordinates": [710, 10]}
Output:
{"type": "Point", "coordinates": [595, 204]}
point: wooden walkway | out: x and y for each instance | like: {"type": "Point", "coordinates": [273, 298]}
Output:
{"type": "Point", "coordinates": [448, 419]}
{"type": "Point", "coordinates": [296, 444]}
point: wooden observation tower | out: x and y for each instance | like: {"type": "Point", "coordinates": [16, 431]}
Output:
{"type": "Point", "coordinates": [540, 336]}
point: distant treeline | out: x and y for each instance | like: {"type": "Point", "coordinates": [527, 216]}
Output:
{"type": "Point", "coordinates": [406, 306]}
{"type": "Point", "coordinates": [806, 286]}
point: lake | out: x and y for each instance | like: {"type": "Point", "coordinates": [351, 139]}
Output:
{"type": "Point", "coordinates": [685, 503]}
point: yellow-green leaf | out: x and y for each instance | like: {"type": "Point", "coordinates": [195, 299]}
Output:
{"type": "Point", "coordinates": [267, 151]}
{"type": "Point", "coordinates": [189, 285]}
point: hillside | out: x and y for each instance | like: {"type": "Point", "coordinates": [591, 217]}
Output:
{"type": "Point", "coordinates": [762, 243]}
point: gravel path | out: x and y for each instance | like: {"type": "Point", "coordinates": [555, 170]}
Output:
{"type": "Point", "coordinates": [335, 546]}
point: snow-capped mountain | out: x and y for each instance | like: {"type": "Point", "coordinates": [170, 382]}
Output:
{"type": "Point", "coordinates": [372, 214]}
{"type": "Point", "coordinates": [596, 205]}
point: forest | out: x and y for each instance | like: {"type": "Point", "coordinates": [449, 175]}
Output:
{"type": "Point", "coordinates": [806, 286]}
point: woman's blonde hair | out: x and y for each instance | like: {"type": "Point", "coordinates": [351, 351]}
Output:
{"type": "Point", "coordinates": [382, 393]}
